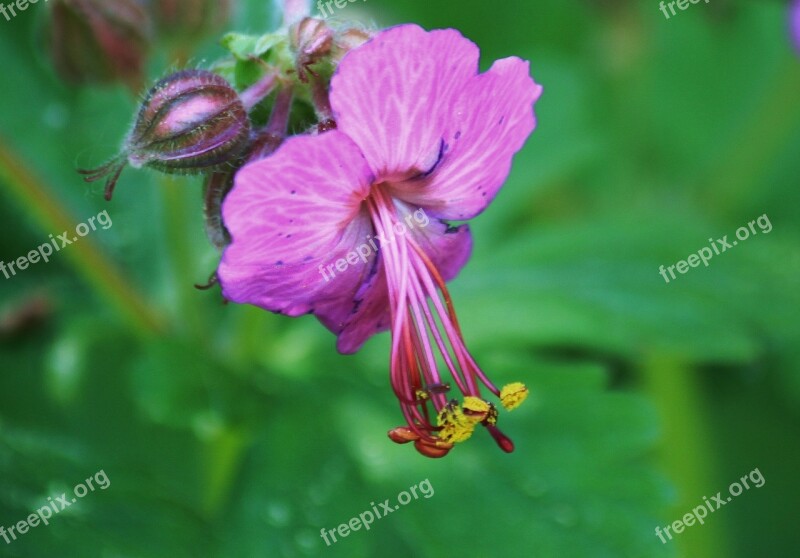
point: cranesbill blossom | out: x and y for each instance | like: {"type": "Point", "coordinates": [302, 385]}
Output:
{"type": "Point", "coordinates": [339, 224]}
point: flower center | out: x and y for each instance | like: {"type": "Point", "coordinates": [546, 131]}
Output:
{"type": "Point", "coordinates": [428, 350]}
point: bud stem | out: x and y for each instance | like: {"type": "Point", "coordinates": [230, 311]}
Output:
{"type": "Point", "coordinates": [258, 91]}
{"type": "Point", "coordinates": [322, 103]}
{"type": "Point", "coordinates": [279, 119]}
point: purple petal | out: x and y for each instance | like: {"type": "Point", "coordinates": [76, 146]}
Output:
{"type": "Point", "coordinates": [393, 96]}
{"type": "Point", "coordinates": [302, 240]}
{"type": "Point", "coordinates": [367, 314]}
{"type": "Point", "coordinates": [490, 121]}
{"type": "Point", "coordinates": [291, 216]}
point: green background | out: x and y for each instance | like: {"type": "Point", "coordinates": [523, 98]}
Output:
{"type": "Point", "coordinates": [227, 431]}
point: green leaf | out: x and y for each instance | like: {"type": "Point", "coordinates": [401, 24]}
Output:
{"type": "Point", "coordinates": [247, 47]}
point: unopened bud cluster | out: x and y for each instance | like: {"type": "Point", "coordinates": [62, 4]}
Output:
{"type": "Point", "coordinates": [196, 122]}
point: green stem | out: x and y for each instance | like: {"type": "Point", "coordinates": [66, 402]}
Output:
{"type": "Point", "coordinates": [686, 451]}
{"type": "Point", "coordinates": [181, 253]}
{"type": "Point", "coordinates": [224, 453]}
{"type": "Point", "coordinates": [85, 257]}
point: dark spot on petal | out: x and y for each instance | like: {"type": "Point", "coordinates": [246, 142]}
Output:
{"type": "Point", "coordinates": [288, 236]}
{"type": "Point", "coordinates": [450, 228]}
{"type": "Point", "coordinates": [308, 258]}
{"type": "Point", "coordinates": [483, 194]}
{"type": "Point", "coordinates": [279, 262]}
{"type": "Point", "coordinates": [373, 270]}
{"type": "Point", "coordinates": [425, 173]}
{"type": "Point", "coordinates": [293, 192]}
{"type": "Point", "coordinates": [502, 119]}
{"type": "Point", "coordinates": [458, 135]}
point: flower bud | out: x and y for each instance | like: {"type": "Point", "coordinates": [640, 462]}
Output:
{"type": "Point", "coordinates": [101, 41]}
{"type": "Point", "coordinates": [312, 39]}
{"type": "Point", "coordinates": [346, 40]}
{"type": "Point", "coordinates": [192, 121]}
{"type": "Point", "coordinates": [315, 41]}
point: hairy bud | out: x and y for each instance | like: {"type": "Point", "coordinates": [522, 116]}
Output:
{"type": "Point", "coordinates": [312, 39]}
{"type": "Point", "coordinates": [346, 40]}
{"type": "Point", "coordinates": [192, 121]}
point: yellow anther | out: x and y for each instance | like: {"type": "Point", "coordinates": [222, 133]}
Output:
{"type": "Point", "coordinates": [422, 394]}
{"type": "Point", "coordinates": [475, 408]}
{"type": "Point", "coordinates": [455, 433]}
{"type": "Point", "coordinates": [512, 395]}
{"type": "Point", "coordinates": [455, 425]}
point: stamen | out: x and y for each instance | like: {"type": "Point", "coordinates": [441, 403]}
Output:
{"type": "Point", "coordinates": [425, 335]}
{"type": "Point", "coordinates": [512, 395]}
{"type": "Point", "coordinates": [403, 435]}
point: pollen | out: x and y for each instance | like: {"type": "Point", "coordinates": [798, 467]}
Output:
{"type": "Point", "coordinates": [455, 425]}
{"type": "Point", "coordinates": [512, 395]}
{"type": "Point", "coordinates": [491, 417]}
{"type": "Point", "coordinates": [475, 408]}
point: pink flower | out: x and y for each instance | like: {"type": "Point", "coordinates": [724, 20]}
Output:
{"type": "Point", "coordinates": [350, 225]}
{"type": "Point", "coordinates": [794, 18]}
